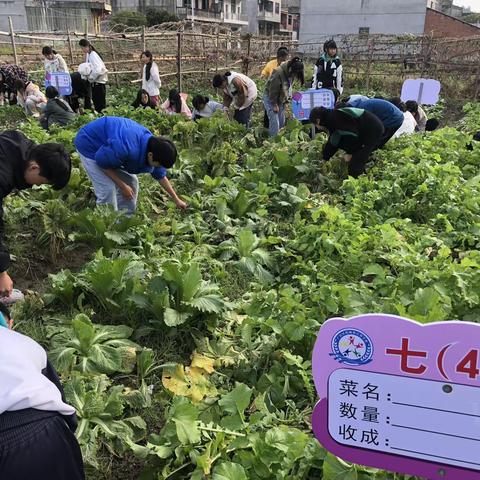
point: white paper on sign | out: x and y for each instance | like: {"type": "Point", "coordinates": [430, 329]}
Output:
{"type": "Point", "coordinates": [424, 419]}
{"type": "Point", "coordinates": [422, 90]}
{"type": "Point", "coordinates": [307, 101]}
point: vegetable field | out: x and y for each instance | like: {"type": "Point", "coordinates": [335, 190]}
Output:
{"type": "Point", "coordinates": [184, 339]}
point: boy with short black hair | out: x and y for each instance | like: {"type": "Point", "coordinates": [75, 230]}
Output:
{"type": "Point", "coordinates": [23, 164]}
{"type": "Point", "coordinates": [113, 150]}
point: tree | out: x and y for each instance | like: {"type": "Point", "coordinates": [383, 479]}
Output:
{"type": "Point", "coordinates": [156, 16]}
{"type": "Point", "coordinates": [127, 18]}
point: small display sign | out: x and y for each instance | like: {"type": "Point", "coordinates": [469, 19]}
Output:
{"type": "Point", "coordinates": [304, 102]}
{"type": "Point", "coordinates": [61, 81]}
{"type": "Point", "coordinates": [400, 396]}
{"type": "Point", "coordinates": [423, 91]}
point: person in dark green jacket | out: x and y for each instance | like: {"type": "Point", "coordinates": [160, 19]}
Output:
{"type": "Point", "coordinates": [277, 92]}
{"type": "Point", "coordinates": [57, 110]}
{"type": "Point", "coordinates": [353, 130]}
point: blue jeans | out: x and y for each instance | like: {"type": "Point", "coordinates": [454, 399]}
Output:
{"type": "Point", "coordinates": [276, 119]}
{"type": "Point", "coordinates": [107, 191]}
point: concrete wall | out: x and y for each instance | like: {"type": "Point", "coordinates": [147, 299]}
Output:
{"type": "Point", "coordinates": [16, 10]}
{"type": "Point", "coordinates": [169, 5]}
{"type": "Point", "coordinates": [441, 25]}
{"type": "Point", "coordinates": [324, 17]}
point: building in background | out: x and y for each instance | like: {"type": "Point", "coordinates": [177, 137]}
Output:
{"type": "Point", "coordinates": [51, 16]}
{"type": "Point", "coordinates": [323, 18]}
{"type": "Point", "coordinates": [439, 24]}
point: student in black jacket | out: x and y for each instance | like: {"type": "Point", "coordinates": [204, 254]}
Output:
{"type": "Point", "coordinates": [328, 71]}
{"type": "Point", "coordinates": [23, 164]}
{"type": "Point", "coordinates": [37, 426]}
{"type": "Point", "coordinates": [353, 130]}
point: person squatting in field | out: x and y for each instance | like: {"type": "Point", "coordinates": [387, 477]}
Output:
{"type": "Point", "coordinates": [353, 130]}
{"type": "Point", "coordinates": [113, 150]}
{"type": "Point", "coordinates": [37, 426]}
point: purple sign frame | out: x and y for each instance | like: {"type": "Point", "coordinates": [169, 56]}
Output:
{"type": "Point", "coordinates": [446, 352]}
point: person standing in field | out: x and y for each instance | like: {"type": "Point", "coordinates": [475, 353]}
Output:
{"type": "Point", "coordinates": [277, 92]}
{"type": "Point", "coordinates": [37, 426]}
{"type": "Point", "coordinates": [96, 74]}
{"type": "Point", "coordinates": [151, 82]}
{"type": "Point", "coordinates": [270, 67]}
{"type": "Point", "coordinates": [53, 62]}
{"type": "Point", "coordinates": [328, 71]}
{"type": "Point", "coordinates": [353, 130]}
{"type": "Point", "coordinates": [239, 91]}
{"type": "Point", "coordinates": [23, 164]}
{"type": "Point", "coordinates": [113, 150]}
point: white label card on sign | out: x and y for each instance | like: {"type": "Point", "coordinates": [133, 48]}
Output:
{"type": "Point", "coordinates": [424, 419]}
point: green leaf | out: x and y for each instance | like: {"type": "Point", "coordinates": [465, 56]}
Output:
{"type": "Point", "coordinates": [229, 471]}
{"type": "Point", "coordinates": [191, 282]}
{"type": "Point", "coordinates": [236, 401]}
{"type": "Point", "coordinates": [173, 317]}
{"type": "Point", "coordinates": [185, 417]}
{"type": "Point", "coordinates": [335, 468]}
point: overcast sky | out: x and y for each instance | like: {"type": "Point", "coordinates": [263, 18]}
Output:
{"type": "Point", "coordinates": [473, 4]}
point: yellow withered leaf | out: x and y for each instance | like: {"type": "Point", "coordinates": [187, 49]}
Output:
{"type": "Point", "coordinates": [203, 362]}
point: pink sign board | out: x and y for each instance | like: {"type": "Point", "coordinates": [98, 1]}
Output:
{"type": "Point", "coordinates": [400, 396]}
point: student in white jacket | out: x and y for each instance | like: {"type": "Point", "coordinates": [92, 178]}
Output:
{"type": "Point", "coordinates": [37, 426]}
{"type": "Point", "coordinates": [151, 82]}
{"type": "Point", "coordinates": [98, 74]}
{"type": "Point", "coordinates": [53, 62]}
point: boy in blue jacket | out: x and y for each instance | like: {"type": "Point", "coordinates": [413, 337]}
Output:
{"type": "Point", "coordinates": [113, 150]}
{"type": "Point", "coordinates": [390, 115]}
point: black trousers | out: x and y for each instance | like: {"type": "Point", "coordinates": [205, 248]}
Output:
{"type": "Point", "coordinates": [43, 449]}
{"type": "Point", "coordinates": [99, 96]}
{"type": "Point", "coordinates": [243, 116]}
{"type": "Point", "coordinates": [388, 134]}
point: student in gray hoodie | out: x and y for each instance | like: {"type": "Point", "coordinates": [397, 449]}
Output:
{"type": "Point", "coordinates": [57, 110]}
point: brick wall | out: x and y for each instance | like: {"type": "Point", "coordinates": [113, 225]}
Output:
{"type": "Point", "coordinates": [441, 25]}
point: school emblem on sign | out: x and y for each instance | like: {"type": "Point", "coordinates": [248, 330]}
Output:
{"type": "Point", "coordinates": [352, 347]}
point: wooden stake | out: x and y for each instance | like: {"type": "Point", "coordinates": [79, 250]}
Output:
{"type": "Point", "coordinates": [114, 58]}
{"type": "Point", "coordinates": [179, 61]}
{"type": "Point", "coordinates": [70, 48]}
{"type": "Point", "coordinates": [144, 41]}
{"type": "Point", "coordinates": [12, 38]}
{"type": "Point", "coordinates": [216, 48]}
{"type": "Point", "coordinates": [247, 61]}
{"type": "Point", "coordinates": [86, 27]}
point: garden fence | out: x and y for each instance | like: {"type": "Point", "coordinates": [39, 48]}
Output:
{"type": "Point", "coordinates": [372, 63]}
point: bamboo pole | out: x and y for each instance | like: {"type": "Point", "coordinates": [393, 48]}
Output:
{"type": "Point", "coordinates": [144, 42]}
{"type": "Point", "coordinates": [12, 38]}
{"type": "Point", "coordinates": [249, 44]}
{"type": "Point", "coordinates": [85, 28]}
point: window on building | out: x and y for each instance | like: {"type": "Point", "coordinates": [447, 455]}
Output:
{"type": "Point", "coordinates": [364, 31]}
{"type": "Point", "coordinates": [277, 8]}
{"type": "Point", "coordinates": [269, 7]}
{"type": "Point", "coordinates": [226, 11]}
{"type": "Point", "coordinates": [290, 20]}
